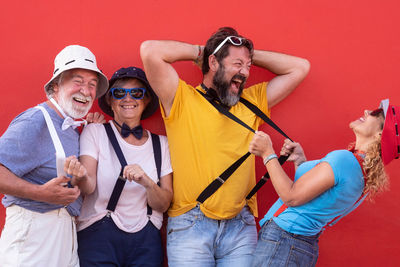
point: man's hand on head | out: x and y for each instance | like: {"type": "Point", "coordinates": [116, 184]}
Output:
{"type": "Point", "coordinates": [199, 60]}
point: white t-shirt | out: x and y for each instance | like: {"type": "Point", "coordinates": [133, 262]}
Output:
{"type": "Point", "coordinates": [130, 215]}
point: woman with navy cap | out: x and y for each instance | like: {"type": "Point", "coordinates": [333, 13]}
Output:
{"type": "Point", "coordinates": [123, 207]}
{"type": "Point", "coordinates": [325, 190]}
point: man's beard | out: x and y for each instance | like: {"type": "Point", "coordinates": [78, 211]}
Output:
{"type": "Point", "coordinates": [68, 106]}
{"type": "Point", "coordinates": [222, 87]}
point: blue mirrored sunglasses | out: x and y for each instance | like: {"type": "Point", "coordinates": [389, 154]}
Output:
{"type": "Point", "coordinates": [120, 93]}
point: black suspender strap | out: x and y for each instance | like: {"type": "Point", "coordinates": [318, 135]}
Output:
{"type": "Point", "coordinates": [157, 158]}
{"type": "Point", "coordinates": [217, 183]}
{"type": "Point", "coordinates": [157, 153]}
{"type": "Point", "coordinates": [211, 188]}
{"type": "Point", "coordinates": [262, 115]}
{"type": "Point", "coordinates": [264, 179]}
{"type": "Point", "coordinates": [281, 159]}
{"type": "Point", "coordinates": [120, 183]}
{"type": "Point", "coordinates": [226, 112]}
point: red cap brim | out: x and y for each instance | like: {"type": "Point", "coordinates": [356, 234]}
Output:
{"type": "Point", "coordinates": [390, 142]}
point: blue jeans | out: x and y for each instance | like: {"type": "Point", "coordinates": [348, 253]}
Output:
{"type": "Point", "coordinates": [276, 247]}
{"type": "Point", "coordinates": [195, 240]}
{"type": "Point", "coordinates": [104, 244]}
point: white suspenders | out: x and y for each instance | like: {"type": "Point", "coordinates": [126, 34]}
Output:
{"type": "Point", "coordinates": [60, 154]}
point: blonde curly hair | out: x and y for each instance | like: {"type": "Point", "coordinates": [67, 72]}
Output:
{"type": "Point", "coordinates": [376, 180]}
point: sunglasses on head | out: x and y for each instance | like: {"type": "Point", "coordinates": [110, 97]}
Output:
{"type": "Point", "coordinates": [120, 93]}
{"type": "Point", "coordinates": [235, 40]}
{"type": "Point", "coordinates": [376, 112]}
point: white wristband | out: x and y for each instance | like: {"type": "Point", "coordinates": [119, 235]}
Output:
{"type": "Point", "coordinates": [267, 159]}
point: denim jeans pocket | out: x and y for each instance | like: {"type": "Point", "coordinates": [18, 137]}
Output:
{"type": "Point", "coordinates": [269, 240]}
{"type": "Point", "coordinates": [270, 232]}
{"type": "Point", "coordinates": [303, 250]}
{"type": "Point", "coordinates": [247, 217]}
{"type": "Point", "coordinates": [300, 257]}
{"type": "Point", "coordinates": [177, 225]}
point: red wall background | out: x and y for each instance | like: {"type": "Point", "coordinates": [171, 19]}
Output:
{"type": "Point", "coordinates": [353, 47]}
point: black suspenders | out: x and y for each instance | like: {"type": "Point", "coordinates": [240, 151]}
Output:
{"type": "Point", "coordinates": [218, 182]}
{"type": "Point", "coordinates": [120, 183]}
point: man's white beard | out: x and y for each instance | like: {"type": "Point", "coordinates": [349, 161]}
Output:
{"type": "Point", "coordinates": [67, 104]}
{"type": "Point", "coordinates": [230, 99]}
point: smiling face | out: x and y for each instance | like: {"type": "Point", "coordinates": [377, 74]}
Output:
{"type": "Point", "coordinates": [231, 75]}
{"type": "Point", "coordinates": [368, 126]}
{"type": "Point", "coordinates": [128, 110]}
{"type": "Point", "coordinates": [76, 91]}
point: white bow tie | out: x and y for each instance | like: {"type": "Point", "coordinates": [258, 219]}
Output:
{"type": "Point", "coordinates": [70, 122]}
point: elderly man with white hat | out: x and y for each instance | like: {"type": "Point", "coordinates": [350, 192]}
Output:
{"type": "Point", "coordinates": [39, 170]}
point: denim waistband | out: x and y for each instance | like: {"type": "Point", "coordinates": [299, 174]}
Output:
{"type": "Point", "coordinates": [196, 211]}
{"type": "Point", "coordinates": [271, 223]}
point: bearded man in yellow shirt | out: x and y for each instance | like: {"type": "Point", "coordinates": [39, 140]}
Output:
{"type": "Point", "coordinates": [220, 231]}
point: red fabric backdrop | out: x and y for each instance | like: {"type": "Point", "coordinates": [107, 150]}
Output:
{"type": "Point", "coordinates": [353, 47]}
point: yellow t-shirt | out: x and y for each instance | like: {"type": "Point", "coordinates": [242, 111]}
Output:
{"type": "Point", "coordinates": [203, 143]}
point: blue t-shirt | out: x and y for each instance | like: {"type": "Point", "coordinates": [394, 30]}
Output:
{"type": "Point", "coordinates": [310, 218]}
{"type": "Point", "coordinates": [27, 150]}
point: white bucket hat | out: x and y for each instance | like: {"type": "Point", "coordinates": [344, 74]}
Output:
{"type": "Point", "coordinates": [77, 57]}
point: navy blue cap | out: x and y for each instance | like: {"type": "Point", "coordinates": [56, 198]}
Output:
{"type": "Point", "coordinates": [131, 72]}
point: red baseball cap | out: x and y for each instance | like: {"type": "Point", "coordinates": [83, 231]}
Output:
{"type": "Point", "coordinates": [390, 142]}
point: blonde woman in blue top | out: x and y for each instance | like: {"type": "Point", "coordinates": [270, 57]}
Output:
{"type": "Point", "coordinates": [325, 190]}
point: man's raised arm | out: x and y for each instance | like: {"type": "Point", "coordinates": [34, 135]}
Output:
{"type": "Point", "coordinates": [157, 57]}
{"type": "Point", "coordinates": [290, 71]}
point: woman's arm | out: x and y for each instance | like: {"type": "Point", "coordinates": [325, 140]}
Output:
{"type": "Point", "coordinates": [84, 173]}
{"type": "Point", "coordinates": [160, 197]}
{"type": "Point", "coordinates": [307, 187]}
